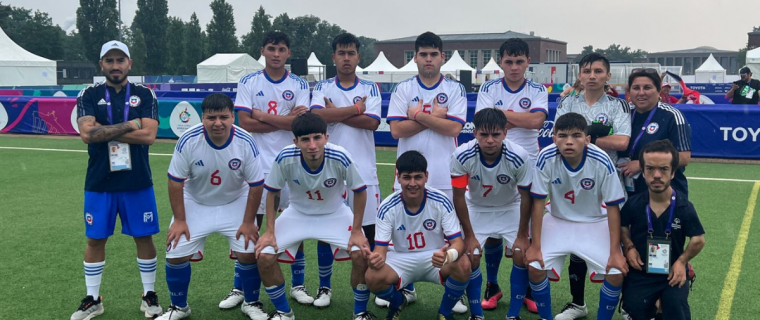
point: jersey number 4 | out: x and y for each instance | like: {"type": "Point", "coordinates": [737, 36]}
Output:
{"type": "Point", "coordinates": [570, 196]}
{"type": "Point", "coordinates": [416, 241]}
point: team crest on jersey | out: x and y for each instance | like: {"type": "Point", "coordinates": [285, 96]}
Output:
{"type": "Point", "coordinates": [329, 183]}
{"type": "Point", "coordinates": [653, 127]}
{"type": "Point", "coordinates": [602, 118]}
{"type": "Point", "coordinates": [234, 164]}
{"type": "Point", "coordinates": [587, 184]}
{"type": "Point", "coordinates": [357, 99]}
{"type": "Point", "coordinates": [88, 218]}
{"type": "Point", "coordinates": [429, 224]}
{"type": "Point", "coordinates": [134, 101]}
{"type": "Point", "coordinates": [442, 98]}
{"type": "Point", "coordinates": [503, 179]}
{"type": "Point", "coordinates": [525, 103]}
{"type": "Point", "coordinates": [288, 95]}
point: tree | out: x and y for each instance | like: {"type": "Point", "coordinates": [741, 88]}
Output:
{"type": "Point", "coordinates": [97, 21]}
{"type": "Point", "coordinates": [151, 19]}
{"type": "Point", "coordinates": [367, 50]}
{"type": "Point", "coordinates": [282, 23]}
{"type": "Point", "coordinates": [72, 47]}
{"type": "Point", "coordinates": [34, 32]}
{"type": "Point", "coordinates": [222, 29]}
{"type": "Point", "coordinates": [615, 53]}
{"type": "Point", "coordinates": [755, 28]}
{"type": "Point", "coordinates": [259, 26]}
{"type": "Point", "coordinates": [175, 47]}
{"type": "Point", "coordinates": [195, 43]}
{"type": "Point", "coordinates": [138, 52]}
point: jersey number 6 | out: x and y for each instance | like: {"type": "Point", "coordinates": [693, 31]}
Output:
{"type": "Point", "coordinates": [215, 179]}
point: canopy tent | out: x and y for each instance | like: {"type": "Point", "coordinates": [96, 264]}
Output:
{"type": "Point", "coordinates": [227, 68]}
{"type": "Point", "coordinates": [19, 67]}
{"type": "Point", "coordinates": [710, 72]}
{"type": "Point", "coordinates": [407, 71]}
{"type": "Point", "coordinates": [490, 71]}
{"type": "Point", "coordinates": [455, 65]}
{"type": "Point", "coordinates": [409, 67]}
{"type": "Point", "coordinates": [358, 69]}
{"type": "Point", "coordinates": [753, 61]}
{"type": "Point", "coordinates": [263, 60]}
{"type": "Point", "coordinates": [380, 70]}
{"type": "Point", "coordinates": [316, 68]}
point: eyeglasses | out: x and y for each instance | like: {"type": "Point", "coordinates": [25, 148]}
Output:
{"type": "Point", "coordinates": [646, 70]}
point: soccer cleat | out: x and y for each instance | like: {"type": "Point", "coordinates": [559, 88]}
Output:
{"type": "Point", "coordinates": [491, 299]}
{"type": "Point", "coordinates": [300, 294]}
{"type": "Point", "coordinates": [279, 315]}
{"type": "Point", "coordinates": [234, 298]}
{"type": "Point", "coordinates": [409, 295]}
{"type": "Point", "coordinates": [366, 315]}
{"type": "Point", "coordinates": [395, 314]}
{"type": "Point", "coordinates": [472, 317]}
{"type": "Point", "coordinates": [459, 308]}
{"type": "Point", "coordinates": [175, 313]}
{"type": "Point", "coordinates": [530, 305]}
{"type": "Point", "coordinates": [514, 318]}
{"type": "Point", "coordinates": [572, 311]}
{"type": "Point", "coordinates": [150, 305]}
{"type": "Point", "coordinates": [381, 303]}
{"type": "Point", "coordinates": [254, 310]}
{"type": "Point", "coordinates": [88, 309]}
{"type": "Point", "coordinates": [323, 298]}
{"type": "Point", "coordinates": [446, 317]}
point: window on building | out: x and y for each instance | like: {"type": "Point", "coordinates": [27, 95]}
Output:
{"type": "Point", "coordinates": [461, 54]}
{"type": "Point", "coordinates": [679, 61]}
{"type": "Point", "coordinates": [661, 61]}
{"type": "Point", "coordinates": [668, 61]}
{"type": "Point", "coordinates": [486, 56]}
{"type": "Point", "coordinates": [408, 56]}
{"type": "Point", "coordinates": [448, 54]}
{"type": "Point", "coordinates": [652, 60]}
{"type": "Point", "coordinates": [733, 68]}
{"type": "Point", "coordinates": [687, 69]}
{"type": "Point", "coordinates": [474, 58]}
{"type": "Point", "coordinates": [697, 62]}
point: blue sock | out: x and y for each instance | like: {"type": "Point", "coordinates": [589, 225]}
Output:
{"type": "Point", "coordinates": [325, 261]}
{"type": "Point", "coordinates": [178, 280]}
{"type": "Point", "coordinates": [409, 287]}
{"type": "Point", "coordinates": [473, 292]}
{"type": "Point", "coordinates": [454, 290]}
{"type": "Point", "coordinates": [236, 282]}
{"type": "Point", "coordinates": [391, 295]}
{"type": "Point", "coordinates": [361, 297]}
{"type": "Point", "coordinates": [518, 281]}
{"type": "Point", "coordinates": [493, 260]}
{"type": "Point", "coordinates": [543, 298]}
{"type": "Point", "coordinates": [277, 295]}
{"type": "Point", "coordinates": [249, 276]}
{"type": "Point", "coordinates": [609, 296]}
{"type": "Point", "coordinates": [297, 269]}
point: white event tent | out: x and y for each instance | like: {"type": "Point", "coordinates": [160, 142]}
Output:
{"type": "Point", "coordinates": [226, 67]}
{"type": "Point", "coordinates": [19, 67]}
{"type": "Point", "coordinates": [710, 72]}
{"type": "Point", "coordinates": [753, 61]}
{"type": "Point", "coordinates": [380, 70]}
{"type": "Point", "coordinates": [490, 71]}
{"type": "Point", "coordinates": [456, 64]}
{"type": "Point", "coordinates": [316, 68]}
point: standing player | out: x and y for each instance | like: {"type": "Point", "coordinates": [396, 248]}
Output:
{"type": "Point", "coordinates": [314, 170]}
{"type": "Point", "coordinates": [215, 185]}
{"type": "Point", "coordinates": [526, 105]}
{"type": "Point", "coordinates": [426, 113]}
{"type": "Point", "coordinates": [419, 220]}
{"type": "Point", "coordinates": [609, 124]}
{"type": "Point", "coordinates": [579, 176]}
{"type": "Point", "coordinates": [267, 102]}
{"type": "Point", "coordinates": [118, 120]}
{"type": "Point", "coordinates": [493, 175]}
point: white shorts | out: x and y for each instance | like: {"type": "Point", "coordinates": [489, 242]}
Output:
{"type": "Point", "coordinates": [370, 208]}
{"type": "Point", "coordinates": [284, 199]}
{"type": "Point", "coordinates": [414, 267]}
{"type": "Point", "coordinates": [588, 240]}
{"type": "Point", "coordinates": [293, 227]}
{"type": "Point", "coordinates": [502, 224]}
{"type": "Point", "coordinates": [203, 221]}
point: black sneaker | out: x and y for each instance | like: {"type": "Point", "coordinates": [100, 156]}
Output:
{"type": "Point", "coordinates": [150, 305]}
{"type": "Point", "coordinates": [88, 309]}
{"type": "Point", "coordinates": [366, 315]}
{"type": "Point", "coordinates": [395, 313]}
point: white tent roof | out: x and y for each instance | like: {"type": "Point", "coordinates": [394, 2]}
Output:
{"type": "Point", "coordinates": [491, 66]}
{"type": "Point", "coordinates": [263, 60]}
{"type": "Point", "coordinates": [753, 56]}
{"type": "Point", "coordinates": [19, 67]}
{"type": "Point", "coordinates": [409, 67]}
{"type": "Point", "coordinates": [381, 64]}
{"type": "Point", "coordinates": [456, 63]}
{"type": "Point", "coordinates": [358, 69]}
{"type": "Point", "coordinates": [313, 61]}
{"type": "Point", "coordinates": [227, 67]}
{"type": "Point", "coordinates": [710, 65]}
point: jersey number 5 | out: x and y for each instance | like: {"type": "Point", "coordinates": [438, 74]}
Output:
{"type": "Point", "coordinates": [419, 240]}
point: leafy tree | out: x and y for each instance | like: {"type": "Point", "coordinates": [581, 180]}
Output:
{"type": "Point", "coordinates": [97, 21]}
{"type": "Point", "coordinates": [33, 31]}
{"type": "Point", "coordinates": [615, 52]}
{"type": "Point", "coordinates": [367, 50]}
{"type": "Point", "coordinates": [138, 52]}
{"type": "Point", "coordinates": [195, 43]}
{"type": "Point", "coordinates": [259, 26]}
{"type": "Point", "coordinates": [222, 29]}
{"type": "Point", "coordinates": [175, 47]}
{"type": "Point", "coordinates": [152, 20]}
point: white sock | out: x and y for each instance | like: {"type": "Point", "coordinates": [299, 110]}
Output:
{"type": "Point", "coordinates": [147, 273]}
{"type": "Point", "coordinates": [93, 273]}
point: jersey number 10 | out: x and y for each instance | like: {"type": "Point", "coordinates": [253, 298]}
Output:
{"type": "Point", "coordinates": [419, 240]}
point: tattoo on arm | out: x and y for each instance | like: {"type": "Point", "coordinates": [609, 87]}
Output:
{"type": "Point", "coordinates": [107, 133]}
{"type": "Point", "coordinates": [276, 203]}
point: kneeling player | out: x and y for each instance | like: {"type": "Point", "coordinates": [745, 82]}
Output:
{"type": "Point", "coordinates": [498, 174]}
{"type": "Point", "coordinates": [314, 170]}
{"type": "Point", "coordinates": [216, 166]}
{"type": "Point", "coordinates": [419, 220]}
{"type": "Point", "coordinates": [579, 176]}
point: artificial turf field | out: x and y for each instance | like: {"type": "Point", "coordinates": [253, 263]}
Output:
{"type": "Point", "coordinates": [42, 230]}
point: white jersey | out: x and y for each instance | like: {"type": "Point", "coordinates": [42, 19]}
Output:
{"type": "Point", "coordinates": [426, 230]}
{"type": "Point", "coordinates": [608, 110]}
{"type": "Point", "coordinates": [216, 175]}
{"type": "Point", "coordinates": [315, 192]}
{"type": "Point", "coordinates": [493, 187]}
{"type": "Point", "coordinates": [257, 90]}
{"type": "Point", "coordinates": [436, 147]}
{"type": "Point", "coordinates": [577, 194]}
{"type": "Point", "coordinates": [530, 97]}
{"type": "Point", "coordinates": [360, 143]}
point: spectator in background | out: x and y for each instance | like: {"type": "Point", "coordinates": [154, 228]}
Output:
{"type": "Point", "coordinates": [667, 98]}
{"type": "Point", "coordinates": [610, 90]}
{"type": "Point", "coordinates": [745, 90]}
{"type": "Point", "coordinates": [575, 90]}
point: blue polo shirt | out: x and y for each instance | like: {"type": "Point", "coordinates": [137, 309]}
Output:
{"type": "Point", "coordinates": [667, 123]}
{"type": "Point", "coordinates": [92, 102]}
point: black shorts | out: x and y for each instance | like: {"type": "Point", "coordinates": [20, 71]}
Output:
{"type": "Point", "coordinates": [641, 291]}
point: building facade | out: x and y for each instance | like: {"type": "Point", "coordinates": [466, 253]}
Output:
{"type": "Point", "coordinates": [691, 59]}
{"type": "Point", "coordinates": [754, 39]}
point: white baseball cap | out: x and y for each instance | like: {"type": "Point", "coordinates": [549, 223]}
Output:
{"type": "Point", "coordinates": [114, 45]}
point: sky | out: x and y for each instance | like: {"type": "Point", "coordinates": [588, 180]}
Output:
{"type": "Point", "coordinates": [651, 25]}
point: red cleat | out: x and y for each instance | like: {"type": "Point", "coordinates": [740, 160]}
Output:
{"type": "Point", "coordinates": [492, 297]}
{"type": "Point", "coordinates": [530, 305]}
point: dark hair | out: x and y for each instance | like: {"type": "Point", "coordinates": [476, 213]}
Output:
{"type": "Point", "coordinates": [490, 119]}
{"type": "Point", "coordinates": [345, 39]}
{"type": "Point", "coordinates": [428, 39]}
{"type": "Point", "coordinates": [594, 57]}
{"type": "Point", "coordinates": [307, 124]}
{"type": "Point", "coordinates": [411, 161]}
{"type": "Point", "coordinates": [652, 76]}
{"type": "Point", "coordinates": [275, 37]}
{"type": "Point", "coordinates": [571, 121]}
{"type": "Point", "coordinates": [663, 146]}
{"type": "Point", "coordinates": [217, 102]}
{"type": "Point", "coordinates": [514, 47]}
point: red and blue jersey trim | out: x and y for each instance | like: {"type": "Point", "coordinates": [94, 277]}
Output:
{"type": "Point", "coordinates": [395, 118]}
{"type": "Point", "coordinates": [255, 184]}
{"type": "Point", "coordinates": [271, 189]}
{"type": "Point", "coordinates": [382, 243]}
{"type": "Point", "coordinates": [373, 116]}
{"type": "Point", "coordinates": [457, 119]}
{"type": "Point", "coordinates": [359, 189]}
{"type": "Point", "coordinates": [178, 179]}
{"type": "Point", "coordinates": [316, 106]}
{"type": "Point", "coordinates": [537, 195]}
{"type": "Point", "coordinates": [449, 237]}
{"type": "Point", "coordinates": [243, 108]}
{"type": "Point", "coordinates": [526, 188]}
{"type": "Point", "coordinates": [615, 202]}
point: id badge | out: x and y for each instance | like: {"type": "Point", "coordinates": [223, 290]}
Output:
{"type": "Point", "coordinates": [658, 256]}
{"type": "Point", "coordinates": [750, 92]}
{"type": "Point", "coordinates": [119, 156]}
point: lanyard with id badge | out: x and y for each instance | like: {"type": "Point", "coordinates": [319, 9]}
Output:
{"type": "Point", "coordinates": [630, 182]}
{"type": "Point", "coordinates": [119, 156]}
{"type": "Point", "coordinates": [658, 248]}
